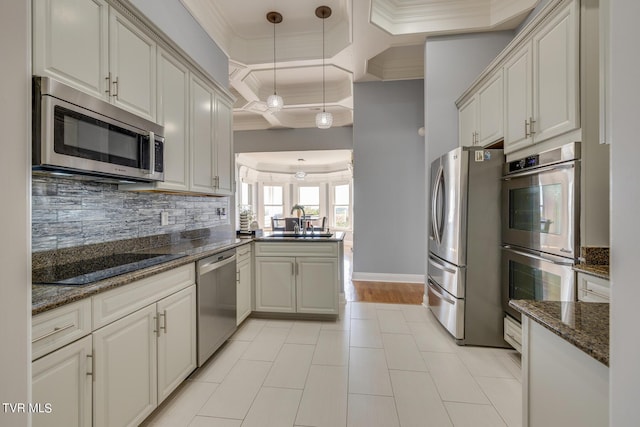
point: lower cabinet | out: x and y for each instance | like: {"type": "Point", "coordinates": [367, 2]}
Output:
{"type": "Point", "coordinates": [61, 385]}
{"type": "Point", "coordinates": [297, 284]}
{"type": "Point", "coordinates": [243, 285]}
{"type": "Point", "coordinates": [141, 358]}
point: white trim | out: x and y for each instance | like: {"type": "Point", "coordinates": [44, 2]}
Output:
{"type": "Point", "coordinates": [387, 277]}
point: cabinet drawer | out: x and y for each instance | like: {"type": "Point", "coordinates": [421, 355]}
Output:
{"type": "Point", "coordinates": [243, 252]}
{"type": "Point", "coordinates": [513, 333]}
{"type": "Point", "coordinates": [316, 249]}
{"type": "Point", "coordinates": [60, 326]}
{"type": "Point", "coordinates": [117, 303]}
{"type": "Point", "coordinates": [593, 289]}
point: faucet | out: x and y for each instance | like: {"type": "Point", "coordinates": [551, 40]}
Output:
{"type": "Point", "coordinates": [300, 226]}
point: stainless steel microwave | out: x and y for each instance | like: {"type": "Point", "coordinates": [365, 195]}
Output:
{"type": "Point", "coordinates": [76, 133]}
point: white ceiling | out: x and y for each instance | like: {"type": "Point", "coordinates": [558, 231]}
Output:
{"type": "Point", "coordinates": [366, 40]}
{"type": "Point", "coordinates": [292, 161]}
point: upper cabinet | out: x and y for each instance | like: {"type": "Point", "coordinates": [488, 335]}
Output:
{"type": "Point", "coordinates": [89, 45]}
{"type": "Point", "coordinates": [480, 120]}
{"type": "Point", "coordinates": [224, 146]}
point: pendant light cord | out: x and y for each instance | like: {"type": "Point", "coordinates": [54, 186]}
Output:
{"type": "Point", "coordinates": [274, 58]}
{"type": "Point", "coordinates": [323, 89]}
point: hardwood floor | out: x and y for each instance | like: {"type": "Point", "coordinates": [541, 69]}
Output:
{"type": "Point", "coordinates": [386, 292]}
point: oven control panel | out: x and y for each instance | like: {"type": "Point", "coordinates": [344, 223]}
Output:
{"type": "Point", "coordinates": [526, 163]}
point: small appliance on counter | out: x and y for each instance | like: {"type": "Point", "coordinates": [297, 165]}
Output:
{"type": "Point", "coordinates": [463, 287]}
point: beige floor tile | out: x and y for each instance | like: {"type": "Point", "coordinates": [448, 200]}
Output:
{"type": "Point", "coordinates": [266, 345]}
{"type": "Point", "coordinates": [392, 322]}
{"type": "Point", "coordinates": [201, 421]}
{"type": "Point", "coordinates": [513, 365]}
{"type": "Point", "coordinates": [332, 348]}
{"type": "Point", "coordinates": [304, 333]}
{"type": "Point", "coordinates": [453, 380]}
{"type": "Point", "coordinates": [472, 415]}
{"type": "Point", "coordinates": [324, 399]}
{"type": "Point", "coordinates": [415, 313]}
{"type": "Point", "coordinates": [372, 411]}
{"type": "Point", "coordinates": [183, 405]}
{"type": "Point", "coordinates": [217, 368]}
{"type": "Point", "coordinates": [483, 362]}
{"type": "Point", "coordinates": [273, 407]}
{"type": "Point", "coordinates": [279, 323]}
{"type": "Point", "coordinates": [291, 367]}
{"type": "Point", "coordinates": [368, 372]}
{"type": "Point", "coordinates": [365, 333]}
{"type": "Point", "coordinates": [429, 337]}
{"type": "Point", "coordinates": [233, 398]}
{"type": "Point", "coordinates": [363, 310]}
{"type": "Point", "coordinates": [417, 400]}
{"type": "Point", "coordinates": [506, 396]}
{"type": "Point", "coordinates": [402, 353]}
{"type": "Point", "coordinates": [342, 323]}
{"type": "Point", "coordinates": [249, 330]}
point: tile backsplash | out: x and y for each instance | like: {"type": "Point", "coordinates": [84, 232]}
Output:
{"type": "Point", "coordinates": [67, 212]}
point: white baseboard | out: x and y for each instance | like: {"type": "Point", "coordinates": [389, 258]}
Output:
{"type": "Point", "coordinates": [387, 277]}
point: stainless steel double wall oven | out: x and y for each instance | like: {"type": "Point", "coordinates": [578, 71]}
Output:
{"type": "Point", "coordinates": [540, 211]}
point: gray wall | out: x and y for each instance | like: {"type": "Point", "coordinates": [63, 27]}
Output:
{"type": "Point", "coordinates": [452, 63]}
{"type": "Point", "coordinates": [15, 172]}
{"type": "Point", "coordinates": [251, 141]}
{"type": "Point", "coordinates": [177, 23]}
{"type": "Point", "coordinates": [388, 176]}
{"type": "Point", "coordinates": [69, 213]}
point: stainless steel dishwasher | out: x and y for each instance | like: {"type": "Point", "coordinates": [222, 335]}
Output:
{"type": "Point", "coordinates": [216, 285]}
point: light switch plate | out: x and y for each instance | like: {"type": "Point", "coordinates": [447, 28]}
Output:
{"type": "Point", "coordinates": [164, 218]}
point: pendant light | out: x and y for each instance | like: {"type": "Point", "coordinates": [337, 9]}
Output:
{"type": "Point", "coordinates": [274, 102]}
{"type": "Point", "coordinates": [300, 174]}
{"type": "Point", "coordinates": [324, 120]}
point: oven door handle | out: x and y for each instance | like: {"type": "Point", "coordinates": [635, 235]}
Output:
{"type": "Point", "coordinates": [551, 168]}
{"type": "Point", "coordinates": [537, 256]}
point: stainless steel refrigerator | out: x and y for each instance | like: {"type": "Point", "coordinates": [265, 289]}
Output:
{"type": "Point", "coordinates": [463, 286]}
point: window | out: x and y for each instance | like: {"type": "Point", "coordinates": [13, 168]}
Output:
{"type": "Point", "coordinates": [273, 203]}
{"type": "Point", "coordinates": [341, 199]}
{"type": "Point", "coordinates": [245, 195]}
{"type": "Point", "coordinates": [309, 197]}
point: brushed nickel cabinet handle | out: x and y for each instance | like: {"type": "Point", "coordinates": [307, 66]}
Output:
{"type": "Point", "coordinates": [531, 122]}
{"type": "Point", "coordinates": [108, 79]}
{"type": "Point", "coordinates": [115, 87]}
{"type": "Point", "coordinates": [526, 129]}
{"type": "Point", "coordinates": [55, 331]}
{"type": "Point", "coordinates": [164, 321]}
{"type": "Point", "coordinates": [93, 367]}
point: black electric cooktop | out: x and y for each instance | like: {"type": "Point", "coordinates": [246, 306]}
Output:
{"type": "Point", "coordinates": [95, 269]}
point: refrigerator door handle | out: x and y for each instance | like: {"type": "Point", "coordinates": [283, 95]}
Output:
{"type": "Point", "coordinates": [434, 207]}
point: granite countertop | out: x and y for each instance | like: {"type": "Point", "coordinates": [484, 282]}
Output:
{"type": "Point", "coordinates": [291, 237]}
{"type": "Point", "coordinates": [47, 297]}
{"type": "Point", "coordinates": [601, 271]}
{"type": "Point", "coordinates": [583, 324]}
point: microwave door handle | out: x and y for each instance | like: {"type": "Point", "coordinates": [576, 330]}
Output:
{"type": "Point", "coordinates": [152, 153]}
{"type": "Point", "coordinates": [538, 257]}
{"type": "Point", "coordinates": [538, 171]}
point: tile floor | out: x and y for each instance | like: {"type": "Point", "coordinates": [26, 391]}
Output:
{"type": "Point", "coordinates": [380, 365]}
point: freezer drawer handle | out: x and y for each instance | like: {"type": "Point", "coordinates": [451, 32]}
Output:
{"type": "Point", "coordinates": [441, 266]}
{"type": "Point", "coordinates": [436, 291]}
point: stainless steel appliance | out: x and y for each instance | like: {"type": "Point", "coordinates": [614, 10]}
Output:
{"type": "Point", "coordinates": [540, 206]}
{"type": "Point", "coordinates": [216, 285]}
{"type": "Point", "coordinates": [463, 287]}
{"type": "Point", "coordinates": [75, 133]}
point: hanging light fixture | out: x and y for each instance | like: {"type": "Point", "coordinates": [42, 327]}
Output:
{"type": "Point", "coordinates": [300, 174]}
{"type": "Point", "coordinates": [274, 102]}
{"type": "Point", "coordinates": [324, 120]}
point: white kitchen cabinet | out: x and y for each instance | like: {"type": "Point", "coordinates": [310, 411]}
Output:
{"type": "Point", "coordinates": [481, 118]}
{"type": "Point", "coordinates": [297, 277]}
{"type": "Point", "coordinates": [276, 284]}
{"type": "Point", "coordinates": [224, 146]}
{"type": "Point", "coordinates": [125, 388]}
{"type": "Point", "coordinates": [542, 83]}
{"type": "Point", "coordinates": [63, 380]}
{"type": "Point", "coordinates": [244, 283]}
{"type": "Point", "coordinates": [70, 43]}
{"type": "Point", "coordinates": [593, 289]}
{"type": "Point", "coordinates": [202, 137]}
{"type": "Point", "coordinates": [132, 67]}
{"type": "Point", "coordinates": [176, 340]}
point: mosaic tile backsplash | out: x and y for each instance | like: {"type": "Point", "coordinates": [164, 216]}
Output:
{"type": "Point", "coordinates": [67, 213]}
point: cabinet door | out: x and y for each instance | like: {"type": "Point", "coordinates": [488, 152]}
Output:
{"type": "Point", "coordinates": [125, 388]}
{"type": "Point", "coordinates": [555, 75]}
{"type": "Point", "coordinates": [275, 284]}
{"type": "Point", "coordinates": [224, 147]}
{"type": "Point", "coordinates": [243, 295]}
{"type": "Point", "coordinates": [173, 114]}
{"type": "Point", "coordinates": [70, 39]}
{"type": "Point", "coordinates": [202, 149]}
{"type": "Point", "coordinates": [62, 379]}
{"type": "Point", "coordinates": [490, 110]}
{"type": "Point", "coordinates": [518, 88]}
{"type": "Point", "coordinates": [467, 123]}
{"type": "Point", "coordinates": [177, 340]}
{"type": "Point", "coordinates": [316, 285]}
{"type": "Point", "coordinates": [132, 63]}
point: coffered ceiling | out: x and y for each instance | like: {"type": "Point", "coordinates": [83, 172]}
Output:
{"type": "Point", "coordinates": [366, 40]}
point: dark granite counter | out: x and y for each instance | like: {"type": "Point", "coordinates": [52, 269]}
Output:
{"type": "Point", "coordinates": [291, 237]}
{"type": "Point", "coordinates": [47, 297]}
{"type": "Point", "coordinates": [601, 271]}
{"type": "Point", "coordinates": [583, 324]}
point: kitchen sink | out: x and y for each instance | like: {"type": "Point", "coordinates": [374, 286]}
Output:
{"type": "Point", "coordinates": [284, 234]}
